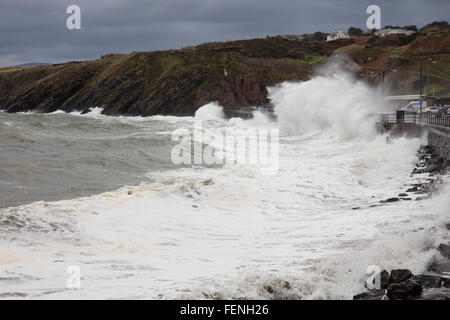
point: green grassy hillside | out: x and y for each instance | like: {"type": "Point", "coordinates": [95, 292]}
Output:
{"type": "Point", "coordinates": [235, 73]}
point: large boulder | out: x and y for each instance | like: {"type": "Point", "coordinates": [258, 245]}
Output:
{"type": "Point", "coordinates": [413, 287]}
{"type": "Point", "coordinates": [400, 275]}
{"type": "Point", "coordinates": [405, 290]}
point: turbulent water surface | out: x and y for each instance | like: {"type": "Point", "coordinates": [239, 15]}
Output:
{"type": "Point", "coordinates": [102, 193]}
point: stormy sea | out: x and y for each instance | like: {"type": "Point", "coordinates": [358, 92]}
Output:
{"type": "Point", "coordinates": [102, 193]}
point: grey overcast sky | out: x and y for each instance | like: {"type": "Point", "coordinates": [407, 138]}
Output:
{"type": "Point", "coordinates": [35, 31]}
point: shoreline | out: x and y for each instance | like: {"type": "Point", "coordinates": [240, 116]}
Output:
{"type": "Point", "coordinates": [434, 283]}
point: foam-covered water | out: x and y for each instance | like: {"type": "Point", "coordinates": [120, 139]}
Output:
{"type": "Point", "coordinates": [309, 231]}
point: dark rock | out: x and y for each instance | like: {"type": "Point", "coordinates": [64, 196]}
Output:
{"type": "Point", "coordinates": [399, 275]}
{"type": "Point", "coordinates": [440, 267]}
{"type": "Point", "coordinates": [446, 282]}
{"type": "Point", "coordinates": [412, 189]}
{"type": "Point", "coordinates": [390, 200]}
{"type": "Point", "coordinates": [269, 289]}
{"type": "Point", "coordinates": [413, 287]}
{"type": "Point", "coordinates": [13, 295]}
{"type": "Point", "coordinates": [396, 291]}
{"type": "Point", "coordinates": [377, 294]}
{"type": "Point", "coordinates": [436, 294]}
{"type": "Point", "coordinates": [287, 285]}
{"type": "Point", "coordinates": [430, 168]}
{"type": "Point", "coordinates": [444, 250]}
{"type": "Point", "coordinates": [422, 198]}
{"type": "Point", "coordinates": [404, 290]}
{"type": "Point", "coordinates": [406, 199]}
{"type": "Point", "coordinates": [402, 194]}
{"type": "Point", "coordinates": [447, 226]}
{"type": "Point", "coordinates": [429, 281]}
{"type": "Point", "coordinates": [384, 279]}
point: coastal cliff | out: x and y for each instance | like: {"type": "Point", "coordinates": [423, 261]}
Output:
{"type": "Point", "coordinates": [235, 73]}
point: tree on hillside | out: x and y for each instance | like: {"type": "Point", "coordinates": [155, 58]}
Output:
{"type": "Point", "coordinates": [355, 32]}
{"type": "Point", "coordinates": [319, 36]}
{"type": "Point", "coordinates": [411, 27]}
{"type": "Point", "coordinates": [440, 24]}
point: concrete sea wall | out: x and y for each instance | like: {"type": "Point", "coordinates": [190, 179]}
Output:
{"type": "Point", "coordinates": [439, 139]}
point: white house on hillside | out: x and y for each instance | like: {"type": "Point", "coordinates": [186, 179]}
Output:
{"type": "Point", "coordinates": [337, 35]}
{"type": "Point", "coordinates": [385, 32]}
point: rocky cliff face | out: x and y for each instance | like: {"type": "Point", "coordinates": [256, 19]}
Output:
{"type": "Point", "coordinates": [178, 82]}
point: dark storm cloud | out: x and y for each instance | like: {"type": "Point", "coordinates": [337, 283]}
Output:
{"type": "Point", "coordinates": [36, 30]}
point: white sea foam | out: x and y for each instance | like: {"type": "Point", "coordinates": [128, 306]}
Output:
{"type": "Point", "coordinates": [210, 111]}
{"type": "Point", "coordinates": [231, 232]}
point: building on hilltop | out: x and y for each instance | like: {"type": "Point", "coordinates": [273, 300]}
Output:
{"type": "Point", "coordinates": [337, 35]}
{"type": "Point", "coordinates": [292, 37]}
{"type": "Point", "coordinates": [385, 32]}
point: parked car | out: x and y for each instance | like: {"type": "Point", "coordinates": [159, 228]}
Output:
{"type": "Point", "coordinates": [414, 107]}
{"type": "Point", "coordinates": [444, 110]}
{"type": "Point", "coordinates": [432, 109]}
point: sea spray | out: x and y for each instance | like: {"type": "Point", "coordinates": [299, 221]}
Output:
{"type": "Point", "coordinates": [332, 102]}
{"type": "Point", "coordinates": [210, 111]}
{"type": "Point", "coordinates": [214, 232]}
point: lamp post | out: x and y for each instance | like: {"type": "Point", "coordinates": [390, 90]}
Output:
{"type": "Point", "coordinates": [420, 92]}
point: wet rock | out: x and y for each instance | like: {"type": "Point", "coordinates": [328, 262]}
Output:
{"type": "Point", "coordinates": [378, 294]}
{"type": "Point", "coordinates": [429, 281]}
{"type": "Point", "coordinates": [404, 290]}
{"type": "Point", "coordinates": [384, 279]}
{"type": "Point", "coordinates": [430, 168]}
{"type": "Point", "coordinates": [399, 275]}
{"type": "Point", "coordinates": [444, 250]}
{"type": "Point", "coordinates": [446, 282]}
{"type": "Point", "coordinates": [443, 267]}
{"type": "Point", "coordinates": [13, 295]}
{"type": "Point", "coordinates": [413, 287]}
{"type": "Point", "coordinates": [269, 289]}
{"type": "Point", "coordinates": [436, 294]}
{"type": "Point", "coordinates": [390, 200]}
{"type": "Point", "coordinates": [396, 291]}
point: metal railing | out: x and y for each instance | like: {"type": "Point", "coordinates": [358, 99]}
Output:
{"type": "Point", "coordinates": [435, 119]}
{"type": "Point", "coordinates": [428, 118]}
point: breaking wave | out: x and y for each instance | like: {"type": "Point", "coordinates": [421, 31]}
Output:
{"type": "Point", "coordinates": [308, 232]}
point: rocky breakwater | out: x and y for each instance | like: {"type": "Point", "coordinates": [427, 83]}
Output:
{"type": "Point", "coordinates": [402, 284]}
{"type": "Point", "coordinates": [433, 284]}
{"type": "Point", "coordinates": [428, 173]}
